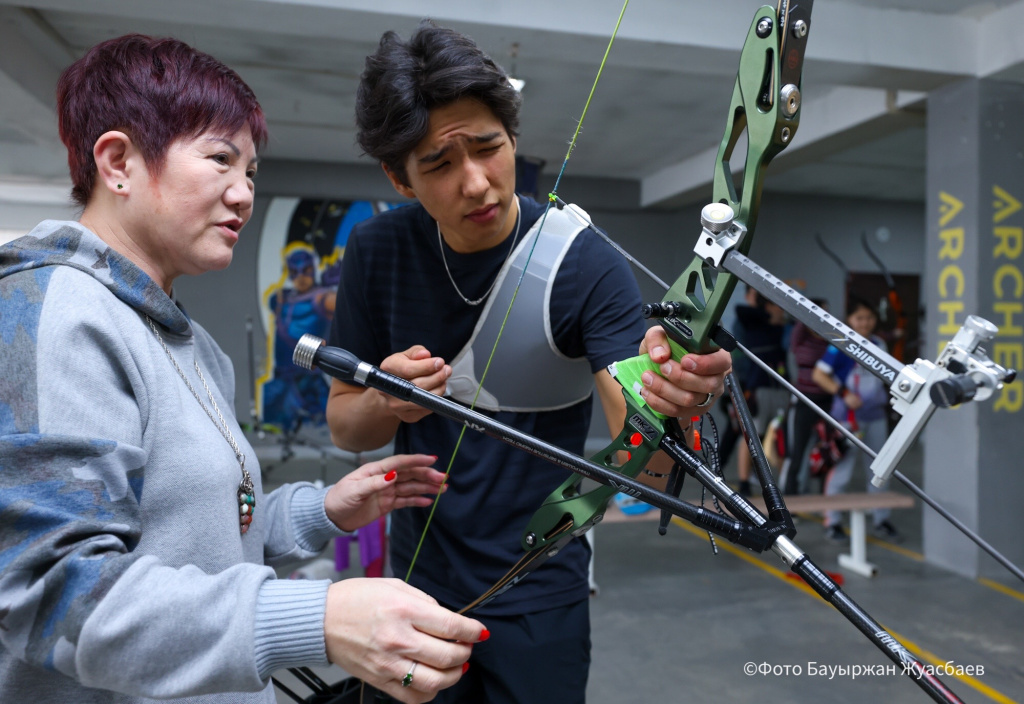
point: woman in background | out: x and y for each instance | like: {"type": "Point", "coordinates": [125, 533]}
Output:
{"type": "Point", "coordinates": [860, 401]}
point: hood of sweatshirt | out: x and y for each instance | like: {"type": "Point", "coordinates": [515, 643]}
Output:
{"type": "Point", "coordinates": [67, 243]}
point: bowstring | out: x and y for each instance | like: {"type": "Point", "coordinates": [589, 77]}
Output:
{"type": "Point", "coordinates": [552, 199]}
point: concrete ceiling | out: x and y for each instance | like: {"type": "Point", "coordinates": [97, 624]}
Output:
{"type": "Point", "coordinates": [657, 115]}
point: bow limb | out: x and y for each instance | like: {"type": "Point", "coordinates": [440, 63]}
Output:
{"type": "Point", "coordinates": [834, 257]}
{"type": "Point", "coordinates": [766, 105]}
{"type": "Point", "coordinates": [895, 302]}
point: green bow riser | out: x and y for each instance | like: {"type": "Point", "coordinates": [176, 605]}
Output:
{"type": "Point", "coordinates": [759, 109]}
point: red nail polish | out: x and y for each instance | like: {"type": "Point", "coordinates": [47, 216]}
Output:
{"type": "Point", "coordinates": [390, 476]}
{"type": "Point", "coordinates": [465, 666]}
{"type": "Point", "coordinates": [484, 635]}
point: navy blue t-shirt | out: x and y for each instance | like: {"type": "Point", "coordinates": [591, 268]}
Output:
{"type": "Point", "coordinates": [394, 294]}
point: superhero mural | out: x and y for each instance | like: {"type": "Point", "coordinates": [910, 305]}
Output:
{"type": "Point", "coordinates": [301, 246]}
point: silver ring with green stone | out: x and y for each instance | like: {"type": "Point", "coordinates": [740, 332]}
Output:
{"type": "Point", "coordinates": [407, 680]}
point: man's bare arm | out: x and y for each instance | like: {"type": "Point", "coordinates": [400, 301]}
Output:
{"type": "Point", "coordinates": [363, 419]}
{"type": "Point", "coordinates": [359, 418]}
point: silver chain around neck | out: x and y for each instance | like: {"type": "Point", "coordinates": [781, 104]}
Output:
{"type": "Point", "coordinates": [246, 488]}
{"type": "Point", "coordinates": [222, 426]}
{"type": "Point", "coordinates": [440, 243]}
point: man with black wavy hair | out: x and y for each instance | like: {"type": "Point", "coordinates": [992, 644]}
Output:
{"type": "Point", "coordinates": [424, 291]}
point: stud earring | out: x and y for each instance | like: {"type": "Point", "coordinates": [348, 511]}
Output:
{"type": "Point", "coordinates": [119, 186]}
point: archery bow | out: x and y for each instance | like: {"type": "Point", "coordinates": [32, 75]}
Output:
{"type": "Point", "coordinates": [766, 103]}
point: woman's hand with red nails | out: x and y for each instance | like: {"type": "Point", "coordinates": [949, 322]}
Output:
{"type": "Point", "coordinates": [377, 488]}
{"type": "Point", "coordinates": [376, 629]}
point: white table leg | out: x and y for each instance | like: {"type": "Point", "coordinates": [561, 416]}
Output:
{"type": "Point", "coordinates": [856, 560]}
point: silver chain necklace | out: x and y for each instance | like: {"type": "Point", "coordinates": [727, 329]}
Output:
{"type": "Point", "coordinates": [440, 243]}
{"type": "Point", "coordinates": [246, 490]}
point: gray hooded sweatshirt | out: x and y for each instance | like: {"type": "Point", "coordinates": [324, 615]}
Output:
{"type": "Point", "coordinates": [123, 574]}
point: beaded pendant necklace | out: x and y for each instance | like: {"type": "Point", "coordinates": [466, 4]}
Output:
{"type": "Point", "coordinates": [246, 489]}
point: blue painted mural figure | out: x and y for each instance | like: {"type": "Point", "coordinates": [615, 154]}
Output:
{"type": "Point", "coordinates": [296, 395]}
{"type": "Point", "coordinates": [309, 238]}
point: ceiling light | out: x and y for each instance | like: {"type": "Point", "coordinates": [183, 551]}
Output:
{"type": "Point", "coordinates": [517, 83]}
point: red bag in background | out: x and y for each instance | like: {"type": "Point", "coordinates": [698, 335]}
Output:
{"type": "Point", "coordinates": [829, 448]}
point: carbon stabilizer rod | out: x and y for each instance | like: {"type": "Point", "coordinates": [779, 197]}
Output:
{"type": "Point", "coordinates": [343, 365]}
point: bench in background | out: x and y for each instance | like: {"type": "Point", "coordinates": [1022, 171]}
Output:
{"type": "Point", "coordinates": [857, 504]}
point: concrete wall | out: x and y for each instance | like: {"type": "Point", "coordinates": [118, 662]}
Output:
{"type": "Point", "coordinates": [975, 227]}
{"type": "Point", "coordinates": [18, 218]}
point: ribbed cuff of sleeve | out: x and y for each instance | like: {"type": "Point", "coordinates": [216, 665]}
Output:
{"type": "Point", "coordinates": [289, 626]}
{"type": "Point", "coordinates": [312, 526]}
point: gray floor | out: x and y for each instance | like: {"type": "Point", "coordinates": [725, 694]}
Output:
{"type": "Point", "coordinates": [673, 622]}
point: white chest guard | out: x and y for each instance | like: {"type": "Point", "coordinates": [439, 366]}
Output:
{"type": "Point", "coordinates": [528, 372]}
